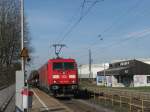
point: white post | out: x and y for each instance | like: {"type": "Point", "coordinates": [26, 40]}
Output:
{"type": "Point", "coordinates": [22, 31]}
{"type": "Point", "coordinates": [104, 76]}
{"type": "Point", "coordinates": [22, 45]}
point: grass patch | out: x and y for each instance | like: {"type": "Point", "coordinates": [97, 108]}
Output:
{"type": "Point", "coordinates": [108, 105]}
{"type": "Point", "coordinates": [89, 83]}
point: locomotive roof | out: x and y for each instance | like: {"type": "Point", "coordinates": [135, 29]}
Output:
{"type": "Point", "coordinates": [61, 60]}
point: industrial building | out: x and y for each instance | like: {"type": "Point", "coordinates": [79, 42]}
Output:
{"type": "Point", "coordinates": [84, 72]}
{"type": "Point", "coordinates": [129, 73]}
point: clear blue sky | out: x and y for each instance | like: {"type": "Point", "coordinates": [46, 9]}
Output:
{"type": "Point", "coordinates": [124, 26]}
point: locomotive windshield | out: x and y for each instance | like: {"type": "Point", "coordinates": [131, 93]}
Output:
{"type": "Point", "coordinates": [63, 66]}
{"type": "Point", "coordinates": [68, 66]}
{"type": "Point", "coordinates": [57, 66]}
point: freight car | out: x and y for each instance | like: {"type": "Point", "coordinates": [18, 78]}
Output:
{"type": "Point", "coordinates": [33, 79]}
{"type": "Point", "coordinates": [59, 76]}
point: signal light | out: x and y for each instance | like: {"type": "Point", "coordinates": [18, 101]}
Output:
{"type": "Point", "coordinates": [73, 81]}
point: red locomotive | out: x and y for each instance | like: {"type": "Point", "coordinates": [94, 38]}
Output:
{"type": "Point", "coordinates": [59, 76]}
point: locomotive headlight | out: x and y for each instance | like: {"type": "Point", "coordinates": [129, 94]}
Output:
{"type": "Point", "coordinates": [55, 76]}
{"type": "Point", "coordinates": [73, 81]}
{"type": "Point", "coordinates": [72, 76]}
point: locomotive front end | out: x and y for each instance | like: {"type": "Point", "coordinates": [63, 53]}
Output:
{"type": "Point", "coordinates": [64, 78]}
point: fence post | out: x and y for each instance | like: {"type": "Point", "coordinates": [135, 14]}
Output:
{"type": "Point", "coordinates": [112, 100]}
{"type": "Point", "coordinates": [95, 96]}
{"type": "Point", "coordinates": [99, 95]}
{"type": "Point", "coordinates": [105, 98]}
{"type": "Point", "coordinates": [142, 105]}
{"type": "Point", "coordinates": [120, 102]}
{"type": "Point", "coordinates": [130, 103]}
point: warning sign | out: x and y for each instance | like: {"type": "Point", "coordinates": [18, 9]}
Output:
{"type": "Point", "coordinates": [24, 53]}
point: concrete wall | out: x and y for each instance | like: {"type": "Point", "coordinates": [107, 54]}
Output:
{"type": "Point", "coordinates": [111, 81]}
{"type": "Point", "coordinates": [102, 79]}
{"type": "Point", "coordinates": [140, 80]}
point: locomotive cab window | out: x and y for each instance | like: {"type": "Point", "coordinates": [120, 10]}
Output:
{"type": "Point", "coordinates": [63, 66]}
{"type": "Point", "coordinates": [57, 66]}
{"type": "Point", "coordinates": [68, 66]}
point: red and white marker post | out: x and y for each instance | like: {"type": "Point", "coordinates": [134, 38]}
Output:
{"type": "Point", "coordinates": [27, 97]}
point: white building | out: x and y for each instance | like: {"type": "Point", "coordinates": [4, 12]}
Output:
{"type": "Point", "coordinates": [145, 60]}
{"type": "Point", "coordinates": [83, 70]}
{"type": "Point", "coordinates": [129, 73]}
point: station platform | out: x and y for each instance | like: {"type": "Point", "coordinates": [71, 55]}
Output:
{"type": "Point", "coordinates": [42, 102]}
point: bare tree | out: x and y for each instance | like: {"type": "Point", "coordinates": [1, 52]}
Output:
{"type": "Point", "coordinates": [10, 43]}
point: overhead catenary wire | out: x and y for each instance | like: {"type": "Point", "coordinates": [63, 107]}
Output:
{"type": "Point", "coordinates": [79, 20]}
{"type": "Point", "coordinates": [100, 36]}
{"type": "Point", "coordinates": [119, 18]}
{"type": "Point", "coordinates": [65, 27]}
{"type": "Point", "coordinates": [72, 26]}
{"type": "Point", "coordinates": [139, 35]}
{"type": "Point", "coordinates": [119, 43]}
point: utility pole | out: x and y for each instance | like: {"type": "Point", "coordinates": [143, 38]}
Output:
{"type": "Point", "coordinates": [90, 63]}
{"type": "Point", "coordinates": [104, 75]}
{"type": "Point", "coordinates": [22, 32]}
{"type": "Point", "coordinates": [23, 49]}
{"type": "Point", "coordinates": [58, 48]}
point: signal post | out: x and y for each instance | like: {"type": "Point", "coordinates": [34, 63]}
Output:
{"type": "Point", "coordinates": [26, 93]}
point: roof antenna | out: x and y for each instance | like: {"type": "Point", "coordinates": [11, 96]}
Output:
{"type": "Point", "coordinates": [58, 48]}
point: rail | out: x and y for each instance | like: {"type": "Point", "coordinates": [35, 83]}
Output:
{"type": "Point", "coordinates": [6, 103]}
{"type": "Point", "coordinates": [3, 87]}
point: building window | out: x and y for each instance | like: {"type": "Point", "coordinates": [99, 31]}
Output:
{"type": "Point", "coordinates": [148, 79]}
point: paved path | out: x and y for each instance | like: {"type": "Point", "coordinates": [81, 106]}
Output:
{"type": "Point", "coordinates": [42, 102]}
{"type": "Point", "coordinates": [45, 103]}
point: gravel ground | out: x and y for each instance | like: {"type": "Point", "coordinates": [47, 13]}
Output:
{"type": "Point", "coordinates": [83, 106]}
{"type": "Point", "coordinates": [6, 94]}
{"type": "Point", "coordinates": [11, 106]}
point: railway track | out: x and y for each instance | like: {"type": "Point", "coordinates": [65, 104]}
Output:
{"type": "Point", "coordinates": [79, 105]}
{"type": "Point", "coordinates": [3, 87]}
{"type": "Point", "coordinates": [8, 104]}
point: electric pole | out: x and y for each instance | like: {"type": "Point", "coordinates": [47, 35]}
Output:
{"type": "Point", "coordinates": [90, 64]}
{"type": "Point", "coordinates": [22, 31]}
{"type": "Point", "coordinates": [104, 76]}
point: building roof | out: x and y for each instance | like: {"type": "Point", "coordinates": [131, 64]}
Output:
{"type": "Point", "coordinates": [128, 67]}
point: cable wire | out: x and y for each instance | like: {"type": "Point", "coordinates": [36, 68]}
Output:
{"type": "Point", "coordinates": [78, 21]}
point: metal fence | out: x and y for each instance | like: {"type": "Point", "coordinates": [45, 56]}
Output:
{"type": "Point", "coordinates": [131, 101]}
